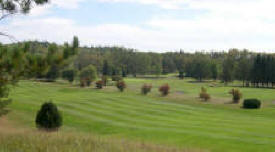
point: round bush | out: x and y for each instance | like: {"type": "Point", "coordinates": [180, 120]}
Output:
{"type": "Point", "coordinates": [205, 96]}
{"type": "Point", "coordinates": [48, 117]}
{"type": "Point", "coordinates": [164, 89]}
{"type": "Point", "coordinates": [146, 88]}
{"type": "Point", "coordinates": [251, 104]}
{"type": "Point", "coordinates": [121, 85]}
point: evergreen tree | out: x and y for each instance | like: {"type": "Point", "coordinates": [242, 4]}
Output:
{"type": "Point", "coordinates": [244, 67]}
{"type": "Point", "coordinates": [214, 71]}
{"type": "Point", "coordinates": [256, 71]}
{"type": "Point", "coordinates": [228, 69]}
{"type": "Point", "coordinates": [106, 68]}
{"type": "Point", "coordinates": [53, 73]}
{"type": "Point", "coordinates": [201, 67]}
{"type": "Point", "coordinates": [69, 75]}
{"type": "Point", "coordinates": [48, 117]}
{"type": "Point", "coordinates": [12, 65]}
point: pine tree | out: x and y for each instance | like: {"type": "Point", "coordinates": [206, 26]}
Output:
{"type": "Point", "coordinates": [106, 68]}
{"type": "Point", "coordinates": [48, 117]}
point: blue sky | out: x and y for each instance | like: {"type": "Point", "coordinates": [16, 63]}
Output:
{"type": "Point", "coordinates": [151, 25]}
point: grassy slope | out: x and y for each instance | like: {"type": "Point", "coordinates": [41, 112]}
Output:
{"type": "Point", "coordinates": [14, 138]}
{"type": "Point", "coordinates": [179, 120]}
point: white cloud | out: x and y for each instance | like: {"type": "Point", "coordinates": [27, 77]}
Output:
{"type": "Point", "coordinates": [60, 4]}
{"type": "Point", "coordinates": [61, 30]}
{"type": "Point", "coordinates": [226, 24]}
{"type": "Point", "coordinates": [40, 10]}
{"type": "Point", "coordinates": [167, 4]}
{"type": "Point", "coordinates": [166, 35]}
{"type": "Point", "coordinates": [68, 4]}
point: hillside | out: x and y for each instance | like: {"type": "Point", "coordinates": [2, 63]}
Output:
{"type": "Point", "coordinates": [180, 120]}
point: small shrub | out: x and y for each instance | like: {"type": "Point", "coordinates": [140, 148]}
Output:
{"type": "Point", "coordinates": [251, 104]}
{"type": "Point", "coordinates": [237, 95]}
{"type": "Point", "coordinates": [48, 117]}
{"type": "Point", "coordinates": [164, 89]}
{"type": "Point", "coordinates": [204, 95]}
{"type": "Point", "coordinates": [121, 85]}
{"type": "Point", "coordinates": [146, 88]}
{"type": "Point", "coordinates": [99, 84]}
{"type": "Point", "coordinates": [116, 78]}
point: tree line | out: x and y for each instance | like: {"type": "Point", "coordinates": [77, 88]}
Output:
{"type": "Point", "coordinates": [50, 61]}
{"type": "Point", "coordinates": [253, 69]}
{"type": "Point", "coordinates": [27, 61]}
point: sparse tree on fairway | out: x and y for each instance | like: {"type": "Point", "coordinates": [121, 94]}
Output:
{"type": "Point", "coordinates": [48, 117]}
{"type": "Point", "coordinates": [237, 95]}
{"type": "Point", "coordinates": [146, 88]}
{"type": "Point", "coordinates": [164, 89]}
{"type": "Point", "coordinates": [121, 85]}
{"type": "Point", "coordinates": [204, 95]}
{"type": "Point", "coordinates": [88, 75]}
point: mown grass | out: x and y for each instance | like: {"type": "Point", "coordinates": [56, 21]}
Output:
{"type": "Point", "coordinates": [179, 120]}
{"type": "Point", "coordinates": [16, 139]}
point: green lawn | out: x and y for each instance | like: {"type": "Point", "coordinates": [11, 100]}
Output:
{"type": "Point", "coordinates": [179, 120]}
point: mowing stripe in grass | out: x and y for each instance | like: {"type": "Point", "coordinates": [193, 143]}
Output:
{"type": "Point", "coordinates": [119, 120]}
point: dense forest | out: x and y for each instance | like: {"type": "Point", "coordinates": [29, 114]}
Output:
{"type": "Point", "coordinates": [50, 61]}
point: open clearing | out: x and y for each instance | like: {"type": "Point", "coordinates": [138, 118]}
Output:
{"type": "Point", "coordinates": [179, 120]}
